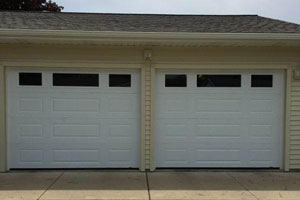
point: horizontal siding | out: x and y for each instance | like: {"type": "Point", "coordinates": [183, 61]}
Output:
{"type": "Point", "coordinates": [148, 128]}
{"type": "Point", "coordinates": [295, 126]}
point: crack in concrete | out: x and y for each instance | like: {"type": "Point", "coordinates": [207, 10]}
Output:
{"type": "Point", "coordinates": [242, 186]}
{"type": "Point", "coordinates": [55, 181]}
{"type": "Point", "coordinates": [148, 186]}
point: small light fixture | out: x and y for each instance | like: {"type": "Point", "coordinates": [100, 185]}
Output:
{"type": "Point", "coordinates": [297, 74]}
{"type": "Point", "coordinates": [148, 54]}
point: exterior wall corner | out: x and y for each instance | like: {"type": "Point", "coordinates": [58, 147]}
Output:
{"type": "Point", "coordinates": [147, 113]}
{"type": "Point", "coordinates": [286, 166]}
{"type": "Point", "coordinates": [293, 123]}
{"type": "Point", "coordinates": [3, 157]}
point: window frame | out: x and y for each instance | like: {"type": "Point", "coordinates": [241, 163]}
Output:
{"type": "Point", "coordinates": [261, 74]}
{"type": "Point", "coordinates": [219, 74]}
{"type": "Point", "coordinates": [73, 86]}
{"type": "Point", "coordinates": [30, 72]}
{"type": "Point", "coordinates": [112, 73]}
{"type": "Point", "coordinates": [178, 87]}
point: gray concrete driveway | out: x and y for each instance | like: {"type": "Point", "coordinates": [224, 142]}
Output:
{"type": "Point", "coordinates": [122, 185]}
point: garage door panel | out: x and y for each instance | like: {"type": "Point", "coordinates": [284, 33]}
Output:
{"type": "Point", "coordinates": [219, 126]}
{"type": "Point", "coordinates": [31, 155]}
{"type": "Point", "coordinates": [76, 130]}
{"type": "Point", "coordinates": [261, 118]}
{"type": "Point", "coordinates": [121, 130]}
{"type": "Point", "coordinates": [175, 130]}
{"type": "Point", "coordinates": [219, 119]}
{"type": "Point", "coordinates": [261, 143]}
{"type": "Point", "coordinates": [261, 131]}
{"type": "Point", "coordinates": [26, 154]}
{"type": "Point", "coordinates": [214, 93]}
{"type": "Point", "coordinates": [26, 130]}
{"type": "Point", "coordinates": [119, 106]}
{"type": "Point", "coordinates": [118, 155]}
{"type": "Point", "coordinates": [174, 154]}
{"type": "Point", "coordinates": [73, 127]}
{"type": "Point", "coordinates": [261, 105]}
{"type": "Point", "coordinates": [218, 155]}
{"type": "Point", "coordinates": [115, 103]}
{"type": "Point", "coordinates": [215, 131]}
{"type": "Point", "coordinates": [175, 106]}
{"type": "Point", "coordinates": [70, 128]}
{"type": "Point", "coordinates": [30, 105]}
{"type": "Point", "coordinates": [74, 118]}
{"type": "Point", "coordinates": [217, 143]}
{"type": "Point", "coordinates": [219, 164]}
{"type": "Point", "coordinates": [30, 130]}
{"type": "Point", "coordinates": [26, 105]}
{"type": "Point", "coordinates": [75, 105]}
{"type": "Point", "coordinates": [82, 155]}
{"type": "Point", "coordinates": [175, 103]}
{"type": "Point", "coordinates": [92, 154]}
{"type": "Point", "coordinates": [215, 105]}
{"type": "Point", "coordinates": [262, 157]}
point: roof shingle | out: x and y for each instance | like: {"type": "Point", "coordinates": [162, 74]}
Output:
{"type": "Point", "coordinates": [145, 23]}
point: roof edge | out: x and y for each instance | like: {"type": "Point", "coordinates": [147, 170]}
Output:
{"type": "Point", "coordinates": [124, 13]}
{"type": "Point", "coordinates": [188, 35]}
{"type": "Point", "coordinates": [69, 36]}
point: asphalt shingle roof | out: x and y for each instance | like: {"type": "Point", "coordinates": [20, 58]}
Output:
{"type": "Point", "coordinates": [145, 23]}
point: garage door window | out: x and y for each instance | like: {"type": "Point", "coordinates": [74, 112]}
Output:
{"type": "Point", "coordinates": [119, 80]}
{"type": "Point", "coordinates": [261, 81]}
{"type": "Point", "coordinates": [175, 80]}
{"type": "Point", "coordinates": [30, 79]}
{"type": "Point", "coordinates": [80, 80]}
{"type": "Point", "coordinates": [219, 80]}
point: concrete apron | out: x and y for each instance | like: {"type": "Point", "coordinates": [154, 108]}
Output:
{"type": "Point", "coordinates": [117, 185]}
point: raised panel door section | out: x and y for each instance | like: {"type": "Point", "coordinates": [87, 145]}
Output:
{"type": "Point", "coordinates": [73, 125]}
{"type": "Point", "coordinates": [224, 123]}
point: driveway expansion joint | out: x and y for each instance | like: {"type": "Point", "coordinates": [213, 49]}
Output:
{"type": "Point", "coordinates": [62, 173]}
{"type": "Point", "coordinates": [148, 185]}
{"type": "Point", "coordinates": [242, 186]}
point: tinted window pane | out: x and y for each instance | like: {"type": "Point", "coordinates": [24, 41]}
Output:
{"type": "Point", "coordinates": [219, 80]}
{"type": "Point", "coordinates": [83, 80]}
{"type": "Point", "coordinates": [175, 80]}
{"type": "Point", "coordinates": [33, 79]}
{"type": "Point", "coordinates": [119, 80]}
{"type": "Point", "coordinates": [262, 81]}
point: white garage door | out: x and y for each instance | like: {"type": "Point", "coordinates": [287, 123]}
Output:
{"type": "Point", "coordinates": [73, 119]}
{"type": "Point", "coordinates": [219, 119]}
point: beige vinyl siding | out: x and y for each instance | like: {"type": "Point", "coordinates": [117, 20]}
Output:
{"type": "Point", "coordinates": [295, 125]}
{"type": "Point", "coordinates": [148, 127]}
